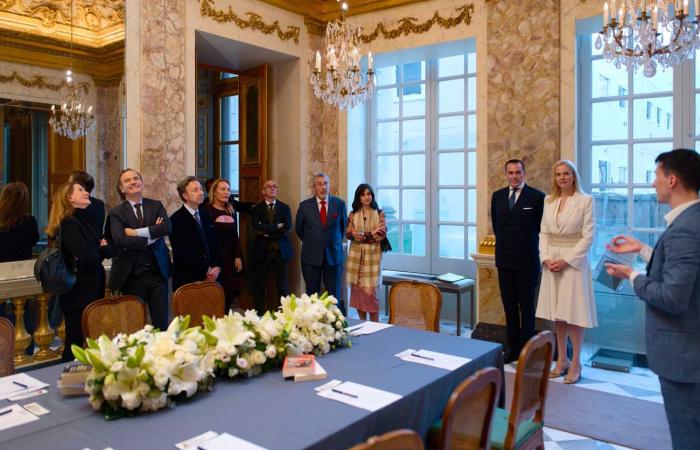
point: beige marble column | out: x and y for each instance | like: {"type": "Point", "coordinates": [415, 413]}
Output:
{"type": "Point", "coordinates": [109, 141]}
{"type": "Point", "coordinates": [523, 108]}
{"type": "Point", "coordinates": [161, 90]}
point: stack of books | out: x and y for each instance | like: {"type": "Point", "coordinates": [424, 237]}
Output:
{"type": "Point", "coordinates": [302, 368]}
{"type": "Point", "coordinates": [72, 379]}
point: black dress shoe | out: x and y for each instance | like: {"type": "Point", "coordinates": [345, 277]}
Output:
{"type": "Point", "coordinates": [509, 357]}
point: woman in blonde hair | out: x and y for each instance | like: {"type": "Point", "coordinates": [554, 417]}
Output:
{"type": "Point", "coordinates": [82, 251]}
{"type": "Point", "coordinates": [566, 290]}
{"type": "Point", "coordinates": [224, 217]}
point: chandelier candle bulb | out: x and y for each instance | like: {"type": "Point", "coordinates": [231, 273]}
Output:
{"type": "Point", "coordinates": [605, 15]}
{"type": "Point", "coordinates": [369, 58]}
{"type": "Point", "coordinates": [697, 7]}
{"type": "Point", "coordinates": [643, 7]}
{"type": "Point", "coordinates": [685, 7]}
{"type": "Point", "coordinates": [318, 61]}
{"type": "Point", "coordinates": [613, 7]}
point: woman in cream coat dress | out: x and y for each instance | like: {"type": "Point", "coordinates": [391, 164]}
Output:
{"type": "Point", "coordinates": [566, 290]}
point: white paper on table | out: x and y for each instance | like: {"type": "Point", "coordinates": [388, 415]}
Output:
{"type": "Point", "coordinates": [18, 416]}
{"type": "Point", "coordinates": [22, 395]}
{"type": "Point", "coordinates": [226, 441]}
{"type": "Point", "coordinates": [360, 396]}
{"type": "Point", "coordinates": [367, 328]}
{"type": "Point", "coordinates": [8, 388]}
{"type": "Point", "coordinates": [192, 443]}
{"type": "Point", "coordinates": [433, 359]}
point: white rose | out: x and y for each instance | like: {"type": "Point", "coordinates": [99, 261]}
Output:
{"type": "Point", "coordinates": [242, 363]}
{"type": "Point", "coordinates": [270, 351]}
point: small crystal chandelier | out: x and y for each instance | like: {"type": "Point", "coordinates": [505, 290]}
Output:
{"type": "Point", "coordinates": [73, 120]}
{"type": "Point", "coordinates": [342, 82]}
{"type": "Point", "coordinates": [646, 34]}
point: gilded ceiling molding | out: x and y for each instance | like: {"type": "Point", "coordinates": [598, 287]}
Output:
{"type": "Point", "coordinates": [314, 26]}
{"type": "Point", "coordinates": [93, 15]}
{"type": "Point", "coordinates": [408, 25]}
{"type": "Point", "coordinates": [254, 22]}
{"type": "Point", "coordinates": [40, 82]}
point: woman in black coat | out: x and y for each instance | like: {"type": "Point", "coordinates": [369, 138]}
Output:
{"type": "Point", "coordinates": [18, 229]}
{"type": "Point", "coordinates": [82, 250]}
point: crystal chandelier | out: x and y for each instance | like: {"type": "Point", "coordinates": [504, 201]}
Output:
{"type": "Point", "coordinates": [646, 34]}
{"type": "Point", "coordinates": [73, 120]}
{"type": "Point", "coordinates": [341, 82]}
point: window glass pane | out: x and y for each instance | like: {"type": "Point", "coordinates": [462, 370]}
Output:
{"type": "Point", "coordinates": [471, 93]}
{"type": "Point", "coordinates": [650, 117]}
{"type": "Point", "coordinates": [471, 205]}
{"type": "Point", "coordinates": [471, 62]}
{"type": "Point", "coordinates": [648, 213]}
{"type": "Point", "coordinates": [392, 233]}
{"type": "Point", "coordinates": [414, 239]}
{"type": "Point", "coordinates": [610, 210]}
{"type": "Point", "coordinates": [414, 71]}
{"type": "Point", "coordinates": [452, 241]}
{"type": "Point", "coordinates": [229, 164]}
{"type": "Point", "coordinates": [387, 103]}
{"type": "Point", "coordinates": [388, 170]}
{"type": "Point", "coordinates": [388, 200]}
{"type": "Point", "coordinates": [386, 75]}
{"type": "Point", "coordinates": [451, 169]}
{"type": "Point", "coordinates": [229, 118]}
{"type": "Point", "coordinates": [661, 82]}
{"type": "Point", "coordinates": [413, 135]}
{"type": "Point", "coordinates": [606, 80]}
{"type": "Point", "coordinates": [413, 201]}
{"type": "Point", "coordinates": [471, 130]}
{"type": "Point", "coordinates": [414, 100]}
{"type": "Point", "coordinates": [451, 96]}
{"type": "Point", "coordinates": [450, 66]}
{"type": "Point", "coordinates": [649, 238]}
{"type": "Point", "coordinates": [608, 121]}
{"type": "Point", "coordinates": [451, 203]}
{"type": "Point", "coordinates": [471, 168]}
{"type": "Point", "coordinates": [608, 163]}
{"type": "Point", "coordinates": [643, 160]}
{"type": "Point", "coordinates": [451, 132]}
{"type": "Point", "coordinates": [413, 170]}
{"type": "Point", "coordinates": [387, 137]}
{"type": "Point", "coordinates": [471, 240]}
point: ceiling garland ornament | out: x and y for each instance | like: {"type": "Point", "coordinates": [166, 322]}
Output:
{"type": "Point", "coordinates": [254, 22]}
{"type": "Point", "coordinates": [408, 25]}
{"type": "Point", "coordinates": [39, 82]}
{"type": "Point", "coordinates": [93, 15]}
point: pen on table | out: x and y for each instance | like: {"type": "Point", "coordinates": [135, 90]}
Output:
{"type": "Point", "coordinates": [421, 356]}
{"type": "Point", "coordinates": [22, 385]}
{"type": "Point", "coordinates": [337, 391]}
{"type": "Point", "coordinates": [355, 327]}
{"type": "Point", "coordinates": [6, 411]}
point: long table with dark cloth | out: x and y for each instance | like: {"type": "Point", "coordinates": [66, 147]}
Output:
{"type": "Point", "coordinates": [271, 412]}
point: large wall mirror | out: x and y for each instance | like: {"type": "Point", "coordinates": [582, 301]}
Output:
{"type": "Point", "coordinates": [40, 40]}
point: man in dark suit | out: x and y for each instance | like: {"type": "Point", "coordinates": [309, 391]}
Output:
{"type": "Point", "coordinates": [671, 291]}
{"type": "Point", "coordinates": [141, 264]}
{"type": "Point", "coordinates": [320, 224]}
{"type": "Point", "coordinates": [272, 220]}
{"type": "Point", "coordinates": [196, 253]}
{"type": "Point", "coordinates": [516, 213]}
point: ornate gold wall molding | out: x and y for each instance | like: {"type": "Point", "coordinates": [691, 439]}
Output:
{"type": "Point", "coordinates": [39, 82]}
{"type": "Point", "coordinates": [254, 21]}
{"type": "Point", "coordinates": [408, 25]}
{"type": "Point", "coordinates": [94, 15]}
{"type": "Point", "coordinates": [314, 26]}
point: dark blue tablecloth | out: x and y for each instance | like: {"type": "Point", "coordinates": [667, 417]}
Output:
{"type": "Point", "coordinates": [269, 411]}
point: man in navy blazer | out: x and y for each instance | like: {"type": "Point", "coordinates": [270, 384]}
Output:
{"type": "Point", "coordinates": [196, 252]}
{"type": "Point", "coordinates": [272, 220]}
{"type": "Point", "coordinates": [671, 291]}
{"type": "Point", "coordinates": [320, 224]}
{"type": "Point", "coordinates": [516, 213]}
{"type": "Point", "coordinates": [141, 265]}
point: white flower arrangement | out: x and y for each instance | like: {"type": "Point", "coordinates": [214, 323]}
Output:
{"type": "Point", "coordinates": [148, 370]}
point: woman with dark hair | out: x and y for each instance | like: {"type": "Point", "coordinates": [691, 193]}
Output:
{"type": "Point", "coordinates": [366, 229]}
{"type": "Point", "coordinates": [82, 250]}
{"type": "Point", "coordinates": [19, 231]}
{"type": "Point", "coordinates": [224, 217]}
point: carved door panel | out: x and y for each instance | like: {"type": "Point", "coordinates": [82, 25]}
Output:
{"type": "Point", "coordinates": [254, 111]}
{"type": "Point", "coordinates": [65, 156]}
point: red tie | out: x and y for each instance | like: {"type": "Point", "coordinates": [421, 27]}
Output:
{"type": "Point", "coordinates": [323, 212]}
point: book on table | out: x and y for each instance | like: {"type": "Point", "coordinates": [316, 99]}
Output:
{"type": "Point", "coordinates": [298, 365]}
{"type": "Point", "coordinates": [318, 374]}
{"type": "Point", "coordinates": [449, 277]}
{"type": "Point", "coordinates": [72, 379]}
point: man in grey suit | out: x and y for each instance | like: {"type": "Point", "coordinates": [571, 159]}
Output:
{"type": "Point", "coordinates": [320, 224]}
{"type": "Point", "coordinates": [671, 291]}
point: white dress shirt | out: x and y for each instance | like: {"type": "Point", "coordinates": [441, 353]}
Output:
{"type": "Point", "coordinates": [141, 232]}
{"type": "Point", "coordinates": [519, 191]}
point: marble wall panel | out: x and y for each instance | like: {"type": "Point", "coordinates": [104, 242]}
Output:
{"type": "Point", "coordinates": [523, 88]}
{"type": "Point", "coordinates": [109, 143]}
{"type": "Point", "coordinates": [162, 91]}
{"type": "Point", "coordinates": [490, 308]}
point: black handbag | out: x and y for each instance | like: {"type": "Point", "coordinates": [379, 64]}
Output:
{"type": "Point", "coordinates": [51, 270]}
{"type": "Point", "coordinates": [385, 244]}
